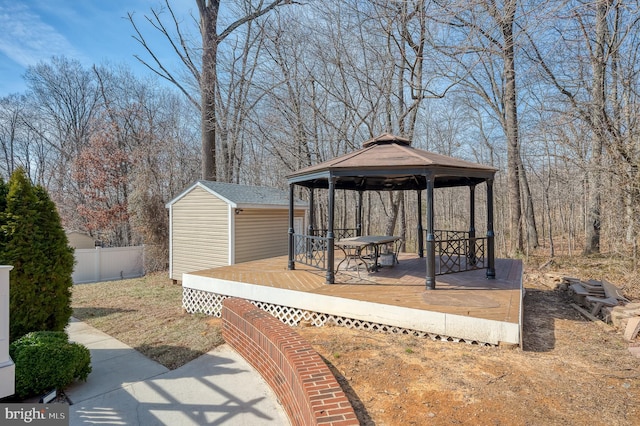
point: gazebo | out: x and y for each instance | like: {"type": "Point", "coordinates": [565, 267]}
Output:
{"type": "Point", "coordinates": [390, 163]}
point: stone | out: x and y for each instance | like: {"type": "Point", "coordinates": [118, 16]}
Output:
{"type": "Point", "coordinates": [632, 305]}
{"type": "Point", "coordinates": [618, 315]}
{"type": "Point", "coordinates": [632, 329]}
{"type": "Point", "coordinates": [631, 311]}
{"type": "Point", "coordinates": [623, 323]}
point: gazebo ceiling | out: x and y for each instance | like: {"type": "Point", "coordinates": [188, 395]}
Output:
{"type": "Point", "coordinates": [389, 163]}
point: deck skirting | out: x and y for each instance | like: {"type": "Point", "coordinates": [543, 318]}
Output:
{"type": "Point", "coordinates": [205, 295]}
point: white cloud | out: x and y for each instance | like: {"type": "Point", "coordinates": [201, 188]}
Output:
{"type": "Point", "coordinates": [26, 39]}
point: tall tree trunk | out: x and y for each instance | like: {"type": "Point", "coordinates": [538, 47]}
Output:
{"type": "Point", "coordinates": [529, 212]}
{"type": "Point", "coordinates": [409, 60]}
{"type": "Point", "coordinates": [208, 85]}
{"type": "Point", "coordinates": [394, 202]}
{"type": "Point", "coordinates": [592, 241]}
{"type": "Point", "coordinates": [511, 127]}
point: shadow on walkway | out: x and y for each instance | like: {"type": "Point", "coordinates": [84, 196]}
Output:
{"type": "Point", "coordinates": [125, 387]}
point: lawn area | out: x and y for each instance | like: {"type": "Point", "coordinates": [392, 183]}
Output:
{"type": "Point", "coordinates": [146, 313]}
{"type": "Point", "coordinates": [570, 370]}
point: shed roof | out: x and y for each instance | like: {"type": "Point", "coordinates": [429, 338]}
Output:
{"type": "Point", "coordinates": [81, 233]}
{"type": "Point", "coordinates": [388, 162]}
{"type": "Point", "coordinates": [243, 196]}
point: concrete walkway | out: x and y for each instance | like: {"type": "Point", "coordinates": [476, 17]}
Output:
{"type": "Point", "coordinates": [127, 388]}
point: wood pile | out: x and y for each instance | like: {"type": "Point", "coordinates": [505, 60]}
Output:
{"type": "Point", "coordinates": [603, 301]}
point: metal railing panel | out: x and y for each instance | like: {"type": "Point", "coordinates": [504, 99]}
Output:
{"type": "Point", "coordinates": [311, 250]}
{"type": "Point", "coordinates": [339, 233]}
{"type": "Point", "coordinates": [457, 251]}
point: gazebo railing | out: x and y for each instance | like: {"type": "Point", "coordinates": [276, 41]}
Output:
{"type": "Point", "coordinates": [310, 250]}
{"type": "Point", "coordinates": [339, 233]}
{"type": "Point", "coordinates": [457, 251]}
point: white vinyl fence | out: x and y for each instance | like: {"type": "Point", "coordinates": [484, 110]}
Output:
{"type": "Point", "coordinates": [7, 367]}
{"type": "Point", "coordinates": [104, 264]}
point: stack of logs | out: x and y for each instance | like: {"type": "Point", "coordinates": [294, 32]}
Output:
{"type": "Point", "coordinates": [601, 300]}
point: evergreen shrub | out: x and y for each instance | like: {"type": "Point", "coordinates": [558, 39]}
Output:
{"type": "Point", "coordinates": [33, 241]}
{"type": "Point", "coordinates": [46, 360]}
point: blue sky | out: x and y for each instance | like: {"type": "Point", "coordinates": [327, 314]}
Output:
{"type": "Point", "coordinates": [91, 31]}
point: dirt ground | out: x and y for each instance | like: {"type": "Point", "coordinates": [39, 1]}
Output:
{"type": "Point", "coordinates": [570, 372]}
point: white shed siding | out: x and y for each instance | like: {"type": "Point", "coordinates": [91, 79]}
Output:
{"type": "Point", "coordinates": [261, 233]}
{"type": "Point", "coordinates": [200, 233]}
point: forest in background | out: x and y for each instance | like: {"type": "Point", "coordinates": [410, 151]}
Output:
{"type": "Point", "coordinates": [545, 91]}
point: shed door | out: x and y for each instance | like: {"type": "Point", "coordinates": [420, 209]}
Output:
{"type": "Point", "coordinates": [298, 228]}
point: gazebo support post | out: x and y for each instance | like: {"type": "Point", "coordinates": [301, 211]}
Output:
{"type": "Point", "coordinates": [431, 240]}
{"type": "Point", "coordinates": [310, 231]}
{"type": "Point", "coordinates": [471, 251]}
{"type": "Point", "coordinates": [312, 217]}
{"type": "Point", "coordinates": [491, 268]}
{"type": "Point", "coordinates": [359, 215]}
{"type": "Point", "coordinates": [420, 230]}
{"type": "Point", "coordinates": [291, 263]}
{"type": "Point", "coordinates": [330, 234]}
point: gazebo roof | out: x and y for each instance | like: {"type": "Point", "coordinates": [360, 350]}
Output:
{"type": "Point", "coordinates": [388, 162]}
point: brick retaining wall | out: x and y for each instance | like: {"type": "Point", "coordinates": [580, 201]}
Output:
{"type": "Point", "coordinates": [302, 381]}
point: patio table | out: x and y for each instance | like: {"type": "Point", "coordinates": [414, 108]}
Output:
{"type": "Point", "coordinates": [353, 247]}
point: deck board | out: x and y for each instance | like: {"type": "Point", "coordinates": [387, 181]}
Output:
{"type": "Point", "coordinates": [467, 293]}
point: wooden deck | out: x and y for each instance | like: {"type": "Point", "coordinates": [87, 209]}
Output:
{"type": "Point", "coordinates": [456, 297]}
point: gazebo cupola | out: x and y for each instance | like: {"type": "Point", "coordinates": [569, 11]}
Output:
{"type": "Point", "coordinates": [390, 163]}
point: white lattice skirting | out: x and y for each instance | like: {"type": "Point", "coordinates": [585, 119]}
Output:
{"type": "Point", "coordinates": [205, 302]}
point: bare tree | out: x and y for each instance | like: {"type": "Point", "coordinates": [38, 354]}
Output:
{"type": "Point", "coordinates": [203, 72]}
{"type": "Point", "coordinates": [20, 141]}
{"type": "Point", "coordinates": [151, 131]}
{"type": "Point", "coordinates": [480, 39]}
{"type": "Point", "coordinates": [63, 102]}
{"type": "Point", "coordinates": [598, 42]}
{"type": "Point", "coordinates": [66, 97]}
{"type": "Point", "coordinates": [11, 110]}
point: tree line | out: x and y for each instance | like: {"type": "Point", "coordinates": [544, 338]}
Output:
{"type": "Point", "coordinates": [109, 148]}
{"type": "Point", "coordinates": [546, 91]}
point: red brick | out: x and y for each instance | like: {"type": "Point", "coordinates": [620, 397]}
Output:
{"type": "Point", "coordinates": [329, 419]}
{"type": "Point", "coordinates": [297, 374]}
{"type": "Point", "coordinates": [340, 411]}
{"type": "Point", "coordinates": [348, 422]}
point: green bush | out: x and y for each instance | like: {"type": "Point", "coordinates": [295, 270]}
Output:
{"type": "Point", "coordinates": [46, 360]}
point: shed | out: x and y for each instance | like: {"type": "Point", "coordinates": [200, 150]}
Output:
{"type": "Point", "coordinates": [80, 240]}
{"type": "Point", "coordinates": [213, 224]}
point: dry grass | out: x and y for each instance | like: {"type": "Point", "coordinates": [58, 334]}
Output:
{"type": "Point", "coordinates": [146, 314]}
{"type": "Point", "coordinates": [615, 268]}
{"type": "Point", "coordinates": [569, 372]}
